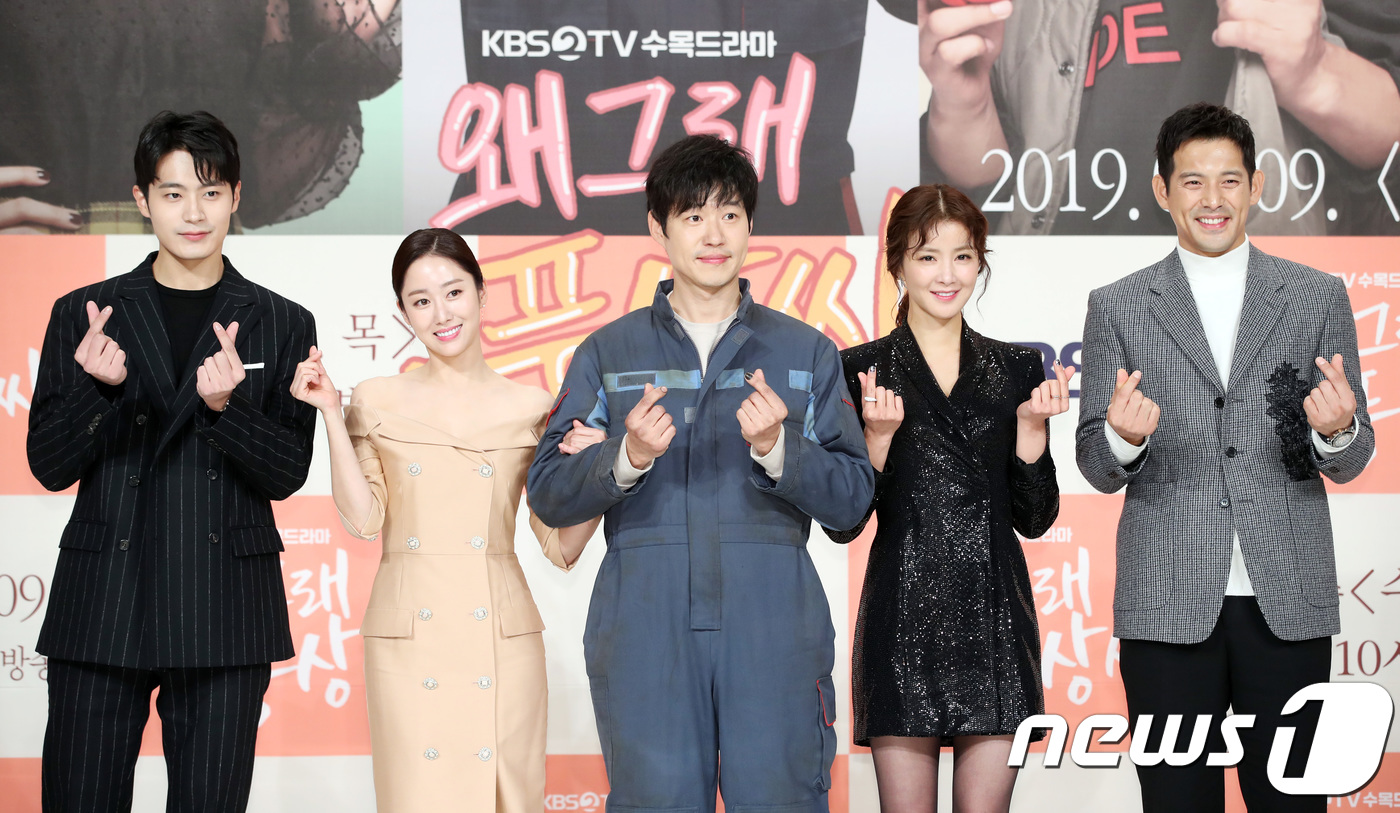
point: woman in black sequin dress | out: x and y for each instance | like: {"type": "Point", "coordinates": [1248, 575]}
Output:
{"type": "Point", "coordinates": [946, 650]}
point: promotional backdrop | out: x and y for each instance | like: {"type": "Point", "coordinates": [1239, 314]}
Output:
{"type": "Point", "coordinates": [527, 126]}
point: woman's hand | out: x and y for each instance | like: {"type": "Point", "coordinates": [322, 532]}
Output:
{"type": "Point", "coordinates": [24, 215]}
{"type": "Point", "coordinates": [312, 385]}
{"type": "Point", "coordinates": [581, 437]}
{"type": "Point", "coordinates": [882, 411]}
{"type": "Point", "coordinates": [1049, 399]}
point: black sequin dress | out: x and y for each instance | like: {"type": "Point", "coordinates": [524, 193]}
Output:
{"type": "Point", "coordinates": [946, 641]}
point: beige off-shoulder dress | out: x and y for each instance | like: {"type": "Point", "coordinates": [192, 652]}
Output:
{"type": "Point", "coordinates": [454, 660]}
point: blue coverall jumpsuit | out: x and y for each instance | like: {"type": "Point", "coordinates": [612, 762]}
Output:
{"type": "Point", "coordinates": [709, 633]}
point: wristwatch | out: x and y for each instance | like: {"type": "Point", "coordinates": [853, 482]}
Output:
{"type": "Point", "coordinates": [1339, 438]}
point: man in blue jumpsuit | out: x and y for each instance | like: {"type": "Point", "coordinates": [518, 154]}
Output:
{"type": "Point", "coordinates": [708, 632]}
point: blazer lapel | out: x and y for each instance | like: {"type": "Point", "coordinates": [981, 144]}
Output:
{"type": "Point", "coordinates": [143, 336]}
{"type": "Point", "coordinates": [1175, 309]}
{"type": "Point", "coordinates": [233, 303]}
{"type": "Point", "coordinates": [911, 361]}
{"type": "Point", "coordinates": [1263, 306]}
{"type": "Point", "coordinates": [914, 367]}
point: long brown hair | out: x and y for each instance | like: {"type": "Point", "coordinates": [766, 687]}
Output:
{"type": "Point", "coordinates": [918, 213]}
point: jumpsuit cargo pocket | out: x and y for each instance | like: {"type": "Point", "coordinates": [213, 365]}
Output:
{"type": "Point", "coordinates": [826, 721]}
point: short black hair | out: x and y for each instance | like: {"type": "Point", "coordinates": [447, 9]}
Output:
{"type": "Point", "coordinates": [1203, 122]}
{"type": "Point", "coordinates": [693, 170]}
{"type": "Point", "coordinates": [201, 134]}
{"type": "Point", "coordinates": [443, 243]}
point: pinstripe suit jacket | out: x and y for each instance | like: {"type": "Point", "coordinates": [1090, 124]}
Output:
{"type": "Point", "coordinates": [171, 558]}
{"type": "Point", "coordinates": [1215, 464]}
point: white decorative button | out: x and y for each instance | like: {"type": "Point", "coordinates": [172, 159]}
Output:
{"type": "Point", "coordinates": [479, 613]}
{"type": "Point", "coordinates": [483, 682]}
{"type": "Point", "coordinates": [485, 471]}
{"type": "Point", "coordinates": [431, 753]}
{"type": "Point", "coordinates": [425, 613]}
{"type": "Point", "coordinates": [478, 542]}
{"type": "Point", "coordinates": [413, 543]}
{"type": "Point", "coordinates": [485, 754]}
{"type": "Point", "coordinates": [429, 684]}
{"type": "Point", "coordinates": [415, 469]}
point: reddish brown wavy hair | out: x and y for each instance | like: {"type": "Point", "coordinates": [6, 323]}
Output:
{"type": "Point", "coordinates": [918, 214]}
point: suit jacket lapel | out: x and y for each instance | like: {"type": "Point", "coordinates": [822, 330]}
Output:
{"type": "Point", "coordinates": [1263, 306]}
{"type": "Point", "coordinates": [1175, 309]}
{"type": "Point", "coordinates": [143, 336]}
{"type": "Point", "coordinates": [233, 303]}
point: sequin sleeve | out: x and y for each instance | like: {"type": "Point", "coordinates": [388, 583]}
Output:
{"type": "Point", "coordinates": [849, 366]}
{"type": "Point", "coordinates": [1035, 494]}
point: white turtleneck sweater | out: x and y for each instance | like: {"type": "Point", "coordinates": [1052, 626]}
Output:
{"type": "Point", "coordinates": [1217, 285]}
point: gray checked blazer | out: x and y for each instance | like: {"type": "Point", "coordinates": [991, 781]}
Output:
{"type": "Point", "coordinates": [1216, 465]}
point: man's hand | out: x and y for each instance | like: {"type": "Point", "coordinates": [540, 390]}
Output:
{"type": "Point", "coordinates": [1131, 414]}
{"type": "Point", "coordinates": [649, 428]}
{"type": "Point", "coordinates": [99, 356]}
{"type": "Point", "coordinates": [1331, 406]}
{"type": "Point", "coordinates": [957, 47]}
{"type": "Point", "coordinates": [1286, 34]}
{"type": "Point", "coordinates": [29, 216]}
{"type": "Point", "coordinates": [222, 371]}
{"type": "Point", "coordinates": [761, 414]}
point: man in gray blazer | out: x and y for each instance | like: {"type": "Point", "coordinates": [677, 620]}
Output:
{"type": "Point", "coordinates": [1219, 385]}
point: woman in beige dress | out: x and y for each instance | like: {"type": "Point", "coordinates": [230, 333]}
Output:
{"type": "Point", "coordinates": [433, 462]}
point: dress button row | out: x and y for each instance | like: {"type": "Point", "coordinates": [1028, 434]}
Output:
{"type": "Point", "coordinates": [484, 754]}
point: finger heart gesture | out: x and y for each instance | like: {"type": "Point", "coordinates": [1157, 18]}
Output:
{"type": "Point", "coordinates": [761, 415]}
{"type": "Point", "coordinates": [881, 409]}
{"type": "Point", "coordinates": [1331, 405]}
{"type": "Point", "coordinates": [221, 372]}
{"type": "Point", "coordinates": [1131, 414]}
{"type": "Point", "coordinates": [1050, 398]}
{"type": "Point", "coordinates": [98, 355]}
{"type": "Point", "coordinates": [312, 385]}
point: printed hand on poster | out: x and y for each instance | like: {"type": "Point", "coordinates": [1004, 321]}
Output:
{"type": "Point", "coordinates": [24, 215]}
{"type": "Point", "coordinates": [1063, 143]}
{"type": "Point", "coordinates": [286, 76]}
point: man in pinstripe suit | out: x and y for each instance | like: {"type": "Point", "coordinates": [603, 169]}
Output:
{"type": "Point", "coordinates": [1245, 390]}
{"type": "Point", "coordinates": [164, 393]}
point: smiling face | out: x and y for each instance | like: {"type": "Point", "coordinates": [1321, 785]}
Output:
{"type": "Point", "coordinates": [1209, 195]}
{"type": "Point", "coordinates": [443, 305]}
{"type": "Point", "coordinates": [190, 217]}
{"type": "Point", "coordinates": [706, 245]}
{"type": "Point", "coordinates": [940, 273]}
